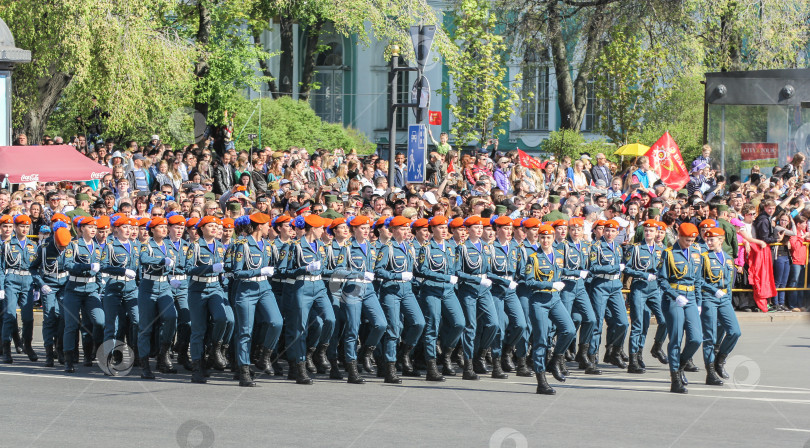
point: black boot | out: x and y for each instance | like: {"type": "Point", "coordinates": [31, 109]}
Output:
{"type": "Point", "coordinates": [146, 370]}
{"type": "Point", "coordinates": [480, 364]}
{"type": "Point", "coordinates": [49, 356]}
{"type": "Point", "coordinates": [458, 356]}
{"type": "Point", "coordinates": [197, 375]}
{"type": "Point", "coordinates": [569, 352]}
{"type": "Point", "coordinates": [245, 380]}
{"type": "Point", "coordinates": [720, 366]}
{"type": "Point", "coordinates": [227, 358]}
{"type": "Point", "coordinates": [382, 371]}
{"type": "Point", "coordinates": [433, 371]}
{"type": "Point", "coordinates": [616, 358]}
{"type": "Point", "coordinates": [497, 371]}
{"type": "Point", "coordinates": [634, 367]}
{"type": "Point", "coordinates": [608, 354]}
{"type": "Point", "coordinates": [164, 360]}
{"type": "Point", "coordinates": [28, 350]}
{"type": "Point", "coordinates": [391, 373]}
{"type": "Point", "coordinates": [88, 356]}
{"type": "Point", "coordinates": [291, 374]}
{"type": "Point", "coordinates": [468, 373]}
{"type": "Point", "coordinates": [677, 384]}
{"type": "Point", "coordinates": [368, 353]}
{"type": "Point", "coordinates": [640, 358]}
{"type": "Point", "coordinates": [711, 376]}
{"type": "Point", "coordinates": [215, 356]}
{"type": "Point", "coordinates": [684, 380]}
{"type": "Point", "coordinates": [15, 336]}
{"type": "Point", "coordinates": [542, 385]}
{"type": "Point", "coordinates": [408, 368]}
{"type": "Point", "coordinates": [447, 363]}
{"type": "Point", "coordinates": [658, 353]}
{"type": "Point", "coordinates": [60, 354]}
{"type": "Point", "coordinates": [689, 366]}
{"type": "Point", "coordinates": [334, 371]}
{"type": "Point", "coordinates": [555, 367]}
{"type": "Point", "coordinates": [321, 362]}
{"type": "Point", "coordinates": [278, 370]}
{"type": "Point", "coordinates": [521, 369]}
{"type": "Point", "coordinates": [7, 359]}
{"type": "Point", "coordinates": [309, 361]}
{"type": "Point", "coordinates": [582, 355]}
{"type": "Point", "coordinates": [592, 368]}
{"type": "Point", "coordinates": [263, 361]}
{"type": "Point", "coordinates": [354, 374]}
{"type": "Point", "coordinates": [507, 365]}
{"type": "Point", "coordinates": [622, 355]}
{"type": "Point", "coordinates": [183, 337]}
{"type": "Point", "coordinates": [301, 373]}
{"type": "Point", "coordinates": [69, 363]}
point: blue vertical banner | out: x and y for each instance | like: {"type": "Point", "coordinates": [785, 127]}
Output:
{"type": "Point", "coordinates": [417, 153]}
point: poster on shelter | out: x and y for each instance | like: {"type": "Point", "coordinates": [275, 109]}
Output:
{"type": "Point", "coordinates": [763, 155]}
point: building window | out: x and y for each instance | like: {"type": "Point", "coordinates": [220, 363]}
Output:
{"type": "Point", "coordinates": [535, 108]}
{"type": "Point", "coordinates": [327, 100]}
{"type": "Point", "coordinates": [590, 108]}
{"type": "Point", "coordinates": [403, 96]}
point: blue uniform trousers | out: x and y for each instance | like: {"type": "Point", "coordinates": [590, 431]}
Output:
{"type": "Point", "coordinates": [204, 300]}
{"type": "Point", "coordinates": [576, 301]}
{"type": "Point", "coordinates": [90, 305]}
{"type": "Point", "coordinates": [607, 294]}
{"type": "Point", "coordinates": [644, 299]}
{"type": "Point", "coordinates": [682, 321]}
{"type": "Point", "coordinates": [361, 304]}
{"type": "Point", "coordinates": [18, 293]}
{"type": "Point", "coordinates": [546, 309]}
{"type": "Point", "coordinates": [480, 316]}
{"type": "Point", "coordinates": [441, 308]}
{"type": "Point", "coordinates": [308, 297]}
{"type": "Point", "coordinates": [512, 326]}
{"type": "Point", "coordinates": [404, 317]}
{"type": "Point", "coordinates": [155, 308]}
{"type": "Point", "coordinates": [711, 314]}
{"type": "Point", "coordinates": [255, 304]}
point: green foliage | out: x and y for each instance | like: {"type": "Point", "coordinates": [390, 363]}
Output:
{"type": "Point", "coordinates": [573, 144]}
{"type": "Point", "coordinates": [483, 98]}
{"type": "Point", "coordinates": [287, 123]}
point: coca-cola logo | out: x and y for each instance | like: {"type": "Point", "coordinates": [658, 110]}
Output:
{"type": "Point", "coordinates": [29, 178]}
{"type": "Point", "coordinates": [99, 175]}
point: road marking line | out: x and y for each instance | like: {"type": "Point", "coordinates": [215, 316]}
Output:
{"type": "Point", "coordinates": [792, 429]}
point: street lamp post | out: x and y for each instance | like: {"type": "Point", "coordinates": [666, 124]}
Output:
{"type": "Point", "coordinates": [10, 56]}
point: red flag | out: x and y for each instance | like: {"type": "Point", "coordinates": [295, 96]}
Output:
{"type": "Point", "coordinates": [666, 161]}
{"type": "Point", "coordinates": [435, 117]}
{"type": "Point", "coordinates": [529, 161]}
{"type": "Point", "coordinates": [760, 275]}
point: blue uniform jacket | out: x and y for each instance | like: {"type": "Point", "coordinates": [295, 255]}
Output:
{"type": "Point", "coordinates": [718, 273]}
{"type": "Point", "coordinates": [436, 264]}
{"type": "Point", "coordinates": [682, 267]}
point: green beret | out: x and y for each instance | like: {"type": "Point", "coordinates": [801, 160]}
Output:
{"type": "Point", "coordinates": [722, 208]}
{"type": "Point", "coordinates": [553, 199]}
{"type": "Point", "coordinates": [653, 212]}
{"type": "Point", "coordinates": [82, 197]}
{"type": "Point", "coordinates": [330, 198]}
{"type": "Point", "coordinates": [234, 206]}
{"type": "Point", "coordinates": [210, 196]}
{"type": "Point", "coordinates": [500, 210]}
{"type": "Point", "coordinates": [331, 214]}
{"type": "Point", "coordinates": [684, 191]}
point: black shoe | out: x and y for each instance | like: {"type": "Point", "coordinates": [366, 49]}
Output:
{"type": "Point", "coordinates": [60, 354]}
{"type": "Point", "coordinates": [616, 358]}
{"type": "Point", "coordinates": [658, 353]}
{"type": "Point", "coordinates": [15, 336]}
{"type": "Point", "coordinates": [69, 363]}
{"type": "Point", "coordinates": [447, 363]}
{"type": "Point", "coordinates": [278, 370]}
{"type": "Point", "coordinates": [608, 354]}
{"type": "Point", "coordinates": [720, 366]}
{"type": "Point", "coordinates": [542, 385]}
{"type": "Point", "coordinates": [634, 366]}
{"type": "Point", "coordinates": [263, 361]}
{"type": "Point", "coordinates": [7, 359]}
{"type": "Point", "coordinates": [521, 369]}
{"type": "Point", "coordinates": [215, 356]}
{"type": "Point", "coordinates": [468, 373]}
{"type": "Point", "coordinates": [711, 376]}
{"type": "Point", "coordinates": [245, 380]}
{"type": "Point", "coordinates": [497, 371]}
{"type": "Point", "coordinates": [507, 365]}
{"type": "Point", "coordinates": [555, 367]}
{"type": "Point", "coordinates": [380, 362]}
{"type": "Point", "coordinates": [592, 368]}
{"type": "Point", "coordinates": [309, 361]}
{"type": "Point", "coordinates": [49, 356]}
{"type": "Point", "coordinates": [569, 355]}
{"type": "Point", "coordinates": [689, 366]}
{"type": "Point", "coordinates": [622, 354]}
{"type": "Point", "coordinates": [197, 375]}
{"type": "Point", "coordinates": [291, 373]}
{"type": "Point", "coordinates": [146, 370]}
{"type": "Point", "coordinates": [301, 373]}
{"type": "Point", "coordinates": [677, 384]}
{"type": "Point", "coordinates": [458, 356]}
{"type": "Point", "coordinates": [354, 374]}
{"type": "Point", "coordinates": [479, 363]}
{"type": "Point", "coordinates": [684, 380]}
{"type": "Point", "coordinates": [391, 373]}
{"type": "Point", "coordinates": [164, 360]}
{"type": "Point", "coordinates": [433, 371]}
{"type": "Point", "coordinates": [581, 357]}
{"type": "Point", "coordinates": [408, 368]}
{"type": "Point", "coordinates": [227, 358]}
{"type": "Point", "coordinates": [320, 360]}
{"type": "Point", "coordinates": [28, 350]}
{"type": "Point", "coordinates": [366, 358]}
{"type": "Point", "coordinates": [641, 359]}
{"type": "Point", "coordinates": [334, 371]}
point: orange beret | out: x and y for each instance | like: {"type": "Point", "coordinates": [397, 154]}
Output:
{"type": "Point", "coordinates": [22, 219]}
{"type": "Point", "coordinates": [486, 222]}
{"type": "Point", "coordinates": [192, 222]}
{"type": "Point", "coordinates": [599, 223]}
{"type": "Point", "coordinates": [326, 222]}
{"type": "Point", "coordinates": [472, 221]}
{"type": "Point", "coordinates": [156, 221]}
{"type": "Point", "coordinates": [315, 221]}
{"type": "Point", "coordinates": [337, 222]}
{"type": "Point", "coordinates": [103, 222]}
{"type": "Point", "coordinates": [281, 219]}
{"type": "Point", "coordinates": [176, 220]}
{"type": "Point", "coordinates": [456, 223]}
{"type": "Point", "coordinates": [380, 222]}
{"type": "Point", "coordinates": [227, 223]}
{"type": "Point", "coordinates": [650, 223]}
{"type": "Point", "coordinates": [438, 221]}
{"type": "Point", "coordinates": [531, 223]}
{"type": "Point", "coordinates": [611, 224]}
{"type": "Point", "coordinates": [559, 222]}
{"type": "Point", "coordinates": [86, 221]}
{"type": "Point", "coordinates": [139, 222]}
{"type": "Point", "coordinates": [60, 217]}
{"type": "Point", "coordinates": [7, 219]}
{"type": "Point", "coordinates": [420, 223]}
{"type": "Point", "coordinates": [707, 224]}
{"type": "Point", "coordinates": [359, 221]}
{"type": "Point", "coordinates": [401, 221]}
{"type": "Point", "coordinates": [62, 236]}
{"type": "Point", "coordinates": [545, 229]}
{"type": "Point", "coordinates": [207, 220]}
{"type": "Point", "coordinates": [576, 222]}
{"type": "Point", "coordinates": [716, 231]}
{"type": "Point", "coordinates": [503, 221]}
{"type": "Point", "coordinates": [516, 222]}
{"type": "Point", "coordinates": [687, 229]}
{"type": "Point", "coordinates": [662, 225]}
{"type": "Point", "coordinates": [260, 218]}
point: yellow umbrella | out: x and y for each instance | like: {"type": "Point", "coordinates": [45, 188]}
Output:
{"type": "Point", "coordinates": [632, 150]}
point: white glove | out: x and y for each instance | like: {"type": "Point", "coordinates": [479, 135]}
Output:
{"type": "Point", "coordinates": [512, 284]}
{"type": "Point", "coordinates": [175, 283]}
{"type": "Point", "coordinates": [95, 267]}
{"type": "Point", "coordinates": [130, 274]}
{"type": "Point", "coordinates": [453, 279]}
{"type": "Point", "coordinates": [268, 271]}
{"type": "Point", "coordinates": [368, 276]}
{"type": "Point", "coordinates": [700, 310]}
{"type": "Point", "coordinates": [681, 301]}
{"type": "Point", "coordinates": [314, 266]}
{"type": "Point", "coordinates": [217, 268]}
{"type": "Point", "coordinates": [558, 286]}
{"type": "Point", "coordinates": [168, 262]}
{"type": "Point", "coordinates": [719, 293]}
{"type": "Point", "coordinates": [583, 274]}
{"type": "Point", "coordinates": [407, 276]}
{"type": "Point", "coordinates": [651, 277]}
{"type": "Point", "coordinates": [45, 289]}
{"type": "Point", "coordinates": [485, 282]}
{"type": "Point", "coordinates": [2, 294]}
{"type": "Point", "coordinates": [621, 268]}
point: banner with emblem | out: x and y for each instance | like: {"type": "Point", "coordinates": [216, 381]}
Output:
{"type": "Point", "coordinates": [666, 161]}
{"type": "Point", "coordinates": [529, 161]}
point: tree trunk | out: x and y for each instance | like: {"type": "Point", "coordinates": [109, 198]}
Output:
{"type": "Point", "coordinates": [201, 69]}
{"type": "Point", "coordinates": [49, 91]}
{"type": "Point", "coordinates": [271, 81]}
{"type": "Point", "coordinates": [287, 60]}
{"type": "Point", "coordinates": [559, 56]}
{"type": "Point", "coordinates": [313, 36]}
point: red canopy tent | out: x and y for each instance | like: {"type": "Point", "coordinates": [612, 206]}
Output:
{"type": "Point", "coordinates": [52, 163]}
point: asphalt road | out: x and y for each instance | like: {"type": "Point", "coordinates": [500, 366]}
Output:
{"type": "Point", "coordinates": [766, 403]}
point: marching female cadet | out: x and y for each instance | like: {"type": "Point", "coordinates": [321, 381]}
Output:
{"type": "Point", "coordinates": [178, 281]}
{"type": "Point", "coordinates": [281, 285]}
{"type": "Point", "coordinates": [661, 332]}
{"type": "Point", "coordinates": [641, 262]}
{"type": "Point", "coordinates": [119, 261]}
{"type": "Point", "coordinates": [82, 261]}
{"type": "Point", "coordinates": [718, 279]}
{"type": "Point", "coordinates": [542, 275]}
{"type": "Point", "coordinates": [505, 265]}
{"type": "Point", "coordinates": [606, 267]}
{"type": "Point", "coordinates": [528, 246]}
{"type": "Point", "coordinates": [156, 298]}
{"type": "Point", "coordinates": [305, 265]}
{"type": "Point", "coordinates": [334, 289]}
{"type": "Point", "coordinates": [458, 232]}
{"type": "Point", "coordinates": [395, 263]}
{"type": "Point", "coordinates": [680, 278]}
{"type": "Point", "coordinates": [253, 264]}
{"type": "Point", "coordinates": [17, 255]}
{"type": "Point", "coordinates": [206, 297]}
{"type": "Point", "coordinates": [476, 300]}
{"type": "Point", "coordinates": [437, 266]}
{"type": "Point", "coordinates": [575, 255]}
{"type": "Point", "coordinates": [49, 277]}
{"type": "Point", "coordinates": [356, 264]}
